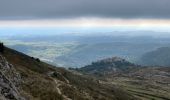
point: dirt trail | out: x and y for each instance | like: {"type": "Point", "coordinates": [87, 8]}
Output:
{"type": "Point", "coordinates": [59, 91]}
{"type": "Point", "coordinates": [58, 84]}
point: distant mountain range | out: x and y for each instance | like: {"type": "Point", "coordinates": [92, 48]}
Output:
{"type": "Point", "coordinates": [80, 50]}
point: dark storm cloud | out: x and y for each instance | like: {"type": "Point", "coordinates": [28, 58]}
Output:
{"type": "Point", "coordinates": [36, 9]}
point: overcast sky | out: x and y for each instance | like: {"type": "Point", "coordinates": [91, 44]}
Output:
{"type": "Point", "coordinates": [133, 14]}
{"type": "Point", "coordinates": [48, 9]}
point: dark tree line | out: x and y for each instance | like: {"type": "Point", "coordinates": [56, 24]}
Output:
{"type": "Point", "coordinates": [1, 47]}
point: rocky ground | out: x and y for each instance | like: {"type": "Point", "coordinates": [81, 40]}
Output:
{"type": "Point", "coordinates": [9, 81]}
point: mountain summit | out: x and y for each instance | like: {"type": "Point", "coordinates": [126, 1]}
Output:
{"type": "Point", "coordinates": [112, 65]}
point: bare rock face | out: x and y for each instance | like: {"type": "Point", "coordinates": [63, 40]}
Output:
{"type": "Point", "coordinates": [9, 81]}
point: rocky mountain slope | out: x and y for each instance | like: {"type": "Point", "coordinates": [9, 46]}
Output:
{"type": "Point", "coordinates": [27, 78]}
{"type": "Point", "coordinates": [9, 81]}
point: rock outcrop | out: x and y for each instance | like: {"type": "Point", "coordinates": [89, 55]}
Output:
{"type": "Point", "coordinates": [9, 81]}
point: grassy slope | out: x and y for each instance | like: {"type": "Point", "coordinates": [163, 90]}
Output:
{"type": "Point", "coordinates": [145, 83]}
{"type": "Point", "coordinates": [38, 85]}
{"type": "Point", "coordinates": [143, 90]}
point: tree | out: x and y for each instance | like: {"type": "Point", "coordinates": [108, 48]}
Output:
{"type": "Point", "coordinates": [1, 47]}
{"type": "Point", "coordinates": [37, 59]}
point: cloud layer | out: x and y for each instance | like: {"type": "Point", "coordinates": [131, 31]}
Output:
{"type": "Point", "coordinates": [47, 9]}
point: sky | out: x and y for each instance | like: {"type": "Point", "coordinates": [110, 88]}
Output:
{"type": "Point", "coordinates": [37, 9]}
{"type": "Point", "coordinates": [138, 14]}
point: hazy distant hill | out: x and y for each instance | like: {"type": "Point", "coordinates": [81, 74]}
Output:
{"type": "Point", "coordinates": [159, 57]}
{"type": "Point", "coordinates": [84, 54]}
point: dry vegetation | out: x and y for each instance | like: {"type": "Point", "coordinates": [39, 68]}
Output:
{"type": "Point", "coordinates": [39, 82]}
